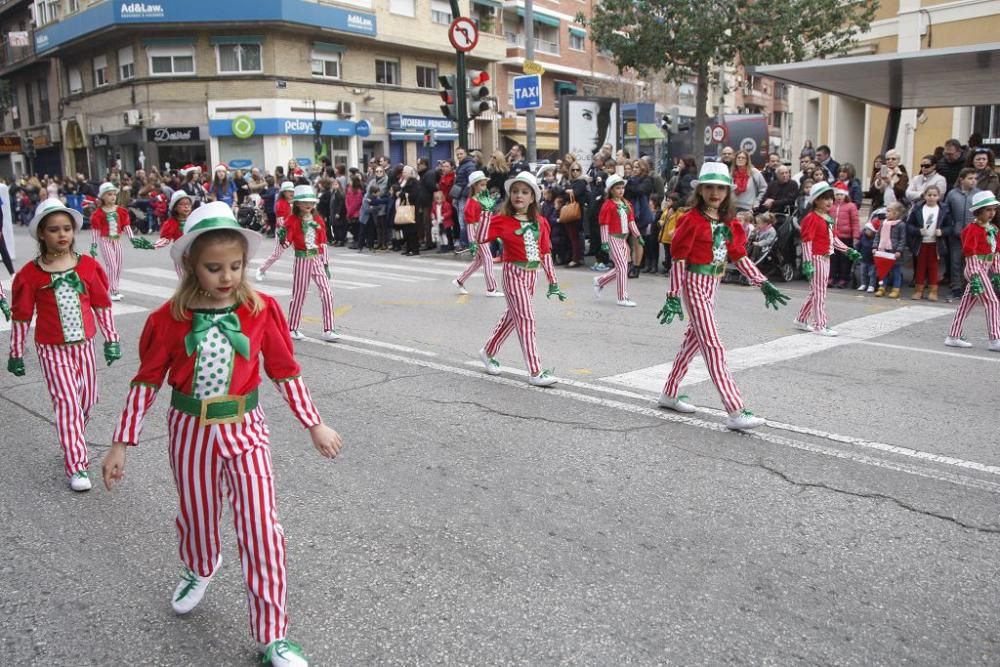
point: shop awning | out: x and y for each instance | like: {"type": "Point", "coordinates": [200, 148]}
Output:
{"type": "Point", "coordinates": [579, 32]}
{"type": "Point", "coordinates": [544, 142]}
{"type": "Point", "coordinates": [544, 19]}
{"type": "Point", "coordinates": [236, 39]}
{"type": "Point", "coordinates": [964, 75]}
{"type": "Point", "coordinates": [564, 87]}
{"type": "Point", "coordinates": [650, 131]}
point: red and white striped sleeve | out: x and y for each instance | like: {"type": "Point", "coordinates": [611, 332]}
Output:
{"type": "Point", "coordinates": [137, 404]}
{"type": "Point", "coordinates": [18, 335]}
{"type": "Point", "coordinates": [839, 245]}
{"type": "Point", "coordinates": [106, 323]}
{"type": "Point", "coordinates": [154, 360]}
{"type": "Point", "coordinates": [974, 265]}
{"type": "Point", "coordinates": [549, 268]}
{"type": "Point", "coordinates": [299, 400]}
{"type": "Point", "coordinates": [746, 266]}
{"type": "Point", "coordinates": [162, 242]}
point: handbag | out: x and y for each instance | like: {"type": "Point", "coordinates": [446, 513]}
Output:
{"type": "Point", "coordinates": [455, 193]}
{"type": "Point", "coordinates": [570, 212]}
{"type": "Point", "coordinates": [406, 214]}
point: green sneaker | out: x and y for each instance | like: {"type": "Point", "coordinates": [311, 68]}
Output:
{"type": "Point", "coordinates": [283, 653]}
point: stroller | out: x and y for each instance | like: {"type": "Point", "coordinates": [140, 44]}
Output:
{"type": "Point", "coordinates": [251, 214]}
{"type": "Point", "coordinates": [781, 257]}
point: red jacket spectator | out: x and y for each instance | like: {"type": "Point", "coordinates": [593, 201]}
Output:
{"type": "Point", "coordinates": [444, 184]}
{"type": "Point", "coordinates": [845, 216]}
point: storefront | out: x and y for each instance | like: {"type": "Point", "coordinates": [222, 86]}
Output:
{"type": "Point", "coordinates": [120, 148]}
{"type": "Point", "coordinates": [10, 157]}
{"type": "Point", "coordinates": [406, 138]}
{"type": "Point", "coordinates": [173, 147]}
{"type": "Point", "coordinates": [47, 159]}
{"type": "Point", "coordinates": [267, 142]}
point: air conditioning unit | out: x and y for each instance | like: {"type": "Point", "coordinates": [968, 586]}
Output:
{"type": "Point", "coordinates": [132, 118]}
{"type": "Point", "coordinates": [55, 131]}
{"type": "Point", "coordinates": [345, 108]}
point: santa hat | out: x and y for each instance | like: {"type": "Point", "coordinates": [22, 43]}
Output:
{"type": "Point", "coordinates": [840, 188]}
{"type": "Point", "coordinates": [186, 169]}
{"type": "Point", "coordinates": [222, 167]}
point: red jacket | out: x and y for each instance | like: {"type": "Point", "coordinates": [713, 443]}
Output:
{"type": "Point", "coordinates": [609, 216]}
{"type": "Point", "coordinates": [444, 185]}
{"type": "Point", "coordinates": [447, 216]}
{"type": "Point", "coordinates": [297, 238]}
{"type": "Point", "coordinates": [352, 202]}
{"type": "Point", "coordinates": [172, 229]}
{"type": "Point", "coordinates": [282, 209]}
{"type": "Point", "coordinates": [473, 211]}
{"type": "Point", "coordinates": [816, 230]}
{"type": "Point", "coordinates": [845, 216]}
{"type": "Point", "coordinates": [99, 221]}
{"type": "Point", "coordinates": [503, 227]}
{"type": "Point", "coordinates": [31, 292]}
{"type": "Point", "coordinates": [693, 239]}
{"type": "Point", "coordinates": [975, 241]}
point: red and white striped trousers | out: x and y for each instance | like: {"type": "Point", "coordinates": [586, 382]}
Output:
{"type": "Point", "coordinates": [483, 259]}
{"type": "Point", "coordinates": [202, 457]}
{"type": "Point", "coordinates": [306, 269]}
{"type": "Point", "coordinates": [989, 299]}
{"type": "Point", "coordinates": [519, 287]}
{"type": "Point", "coordinates": [71, 377]}
{"type": "Point", "coordinates": [275, 255]}
{"type": "Point", "coordinates": [816, 301]}
{"type": "Point", "coordinates": [620, 256]}
{"type": "Point", "coordinates": [702, 335]}
{"type": "Point", "coordinates": [111, 253]}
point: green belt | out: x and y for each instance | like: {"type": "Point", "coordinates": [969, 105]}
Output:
{"type": "Point", "coordinates": [620, 236]}
{"type": "Point", "coordinates": [225, 409]}
{"type": "Point", "coordinates": [527, 266]}
{"type": "Point", "coordinates": [707, 269]}
{"type": "Point", "coordinates": [307, 253]}
{"type": "Point", "coordinates": [986, 258]}
{"type": "Point", "coordinates": [115, 237]}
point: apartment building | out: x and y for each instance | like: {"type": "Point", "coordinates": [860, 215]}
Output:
{"type": "Point", "coordinates": [243, 83]}
{"type": "Point", "coordinates": [770, 98]}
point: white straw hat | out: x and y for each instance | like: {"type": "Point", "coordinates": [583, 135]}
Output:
{"type": "Point", "coordinates": [48, 207]}
{"type": "Point", "coordinates": [982, 200]}
{"type": "Point", "coordinates": [528, 179]}
{"type": "Point", "coordinates": [305, 193]}
{"type": "Point", "coordinates": [714, 172]}
{"type": "Point", "coordinates": [208, 218]}
{"type": "Point", "coordinates": [817, 190]}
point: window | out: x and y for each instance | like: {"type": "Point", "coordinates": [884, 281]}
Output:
{"type": "Point", "coordinates": [402, 7]}
{"type": "Point", "coordinates": [44, 114]}
{"type": "Point", "coordinates": [387, 72]}
{"type": "Point", "coordinates": [29, 102]}
{"type": "Point", "coordinates": [15, 112]}
{"type": "Point", "coordinates": [427, 76]}
{"type": "Point", "coordinates": [75, 80]}
{"type": "Point", "coordinates": [986, 121]}
{"type": "Point", "coordinates": [326, 65]}
{"type": "Point", "coordinates": [441, 12]}
{"type": "Point", "coordinates": [778, 119]}
{"type": "Point", "coordinates": [100, 71]}
{"type": "Point", "coordinates": [46, 11]}
{"type": "Point", "coordinates": [126, 63]}
{"type": "Point", "coordinates": [237, 58]}
{"type": "Point", "coordinates": [73, 6]}
{"type": "Point", "coordinates": [577, 41]}
{"type": "Point", "coordinates": [169, 61]}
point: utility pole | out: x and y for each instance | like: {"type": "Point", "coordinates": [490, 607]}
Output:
{"type": "Point", "coordinates": [460, 94]}
{"type": "Point", "coordinates": [529, 55]}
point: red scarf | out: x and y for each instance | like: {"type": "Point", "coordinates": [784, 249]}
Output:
{"type": "Point", "coordinates": [741, 177]}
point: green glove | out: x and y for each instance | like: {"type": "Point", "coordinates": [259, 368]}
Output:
{"type": "Point", "coordinates": [93, 250]}
{"type": "Point", "coordinates": [555, 291]}
{"type": "Point", "coordinates": [853, 254]}
{"type": "Point", "coordinates": [994, 278]}
{"type": "Point", "coordinates": [5, 308]}
{"type": "Point", "coordinates": [978, 288]}
{"type": "Point", "coordinates": [808, 270]}
{"type": "Point", "coordinates": [15, 365]}
{"type": "Point", "coordinates": [642, 241]}
{"type": "Point", "coordinates": [326, 267]}
{"type": "Point", "coordinates": [671, 309]}
{"type": "Point", "coordinates": [605, 247]}
{"type": "Point", "coordinates": [473, 249]}
{"type": "Point", "coordinates": [282, 233]}
{"type": "Point", "coordinates": [773, 297]}
{"type": "Point", "coordinates": [141, 243]}
{"type": "Point", "coordinates": [112, 352]}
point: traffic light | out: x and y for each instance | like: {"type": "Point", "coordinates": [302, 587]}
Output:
{"type": "Point", "coordinates": [430, 139]}
{"type": "Point", "coordinates": [449, 108]}
{"type": "Point", "coordinates": [478, 93]}
{"type": "Point", "coordinates": [318, 148]}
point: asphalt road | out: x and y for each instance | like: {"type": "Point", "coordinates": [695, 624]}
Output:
{"type": "Point", "coordinates": [474, 520]}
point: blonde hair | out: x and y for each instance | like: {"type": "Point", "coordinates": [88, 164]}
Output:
{"type": "Point", "coordinates": [765, 218]}
{"type": "Point", "coordinates": [189, 287]}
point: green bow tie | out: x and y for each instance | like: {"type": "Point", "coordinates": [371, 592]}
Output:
{"type": "Point", "coordinates": [228, 325]}
{"type": "Point", "coordinates": [309, 223]}
{"type": "Point", "coordinates": [622, 207]}
{"type": "Point", "coordinates": [525, 226]}
{"type": "Point", "coordinates": [720, 234]}
{"type": "Point", "coordinates": [991, 234]}
{"type": "Point", "coordinates": [69, 278]}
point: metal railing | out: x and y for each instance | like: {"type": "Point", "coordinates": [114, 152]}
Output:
{"type": "Point", "coordinates": [543, 45]}
{"type": "Point", "coordinates": [10, 55]}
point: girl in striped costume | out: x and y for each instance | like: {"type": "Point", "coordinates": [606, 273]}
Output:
{"type": "Point", "coordinates": [68, 293]}
{"type": "Point", "coordinates": [706, 237]}
{"type": "Point", "coordinates": [526, 246]}
{"type": "Point", "coordinates": [307, 234]}
{"type": "Point", "coordinates": [982, 270]}
{"type": "Point", "coordinates": [107, 224]}
{"type": "Point", "coordinates": [478, 210]}
{"type": "Point", "coordinates": [282, 209]}
{"type": "Point", "coordinates": [173, 228]}
{"type": "Point", "coordinates": [208, 342]}
{"type": "Point", "coordinates": [617, 221]}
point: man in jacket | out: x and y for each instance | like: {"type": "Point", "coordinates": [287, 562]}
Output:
{"type": "Point", "coordinates": [827, 162]}
{"type": "Point", "coordinates": [781, 193]}
{"type": "Point", "coordinates": [466, 165]}
{"type": "Point", "coordinates": [957, 201]}
{"type": "Point", "coordinates": [952, 162]}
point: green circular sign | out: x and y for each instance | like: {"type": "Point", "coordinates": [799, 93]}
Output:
{"type": "Point", "coordinates": [243, 127]}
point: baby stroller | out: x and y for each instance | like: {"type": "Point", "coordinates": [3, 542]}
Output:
{"type": "Point", "coordinates": [251, 214]}
{"type": "Point", "coordinates": [776, 254]}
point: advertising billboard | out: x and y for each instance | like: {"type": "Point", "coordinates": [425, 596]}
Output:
{"type": "Point", "coordinates": [586, 124]}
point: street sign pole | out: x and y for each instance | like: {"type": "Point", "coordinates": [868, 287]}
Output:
{"type": "Point", "coordinates": [529, 55]}
{"type": "Point", "coordinates": [460, 101]}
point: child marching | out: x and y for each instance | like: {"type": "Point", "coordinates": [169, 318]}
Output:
{"type": "Point", "coordinates": [208, 342]}
{"type": "Point", "coordinates": [982, 271]}
{"type": "Point", "coordinates": [617, 221]}
{"type": "Point", "coordinates": [107, 224]}
{"type": "Point", "coordinates": [707, 237]}
{"type": "Point", "coordinates": [818, 243]}
{"type": "Point", "coordinates": [526, 246]}
{"type": "Point", "coordinates": [478, 211]}
{"type": "Point", "coordinates": [282, 209]}
{"type": "Point", "coordinates": [69, 295]}
{"type": "Point", "coordinates": [306, 233]}
{"type": "Point", "coordinates": [173, 227]}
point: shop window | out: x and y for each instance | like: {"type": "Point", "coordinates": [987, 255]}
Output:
{"type": "Point", "coordinates": [126, 63]}
{"type": "Point", "coordinates": [238, 58]}
{"type": "Point", "coordinates": [100, 71]}
{"type": "Point", "coordinates": [387, 72]}
{"type": "Point", "coordinates": [75, 80]}
{"type": "Point", "coordinates": [440, 12]}
{"type": "Point", "coordinates": [427, 76]}
{"type": "Point", "coordinates": [171, 61]}
{"type": "Point", "coordinates": [44, 113]}
{"type": "Point", "coordinates": [326, 65]}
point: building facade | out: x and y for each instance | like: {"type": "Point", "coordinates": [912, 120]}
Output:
{"type": "Point", "coordinates": [242, 83]}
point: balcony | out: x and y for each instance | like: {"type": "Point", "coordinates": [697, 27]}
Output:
{"type": "Point", "coordinates": [11, 55]}
{"type": "Point", "coordinates": [541, 45]}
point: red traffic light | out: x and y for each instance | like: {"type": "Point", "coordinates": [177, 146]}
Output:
{"type": "Point", "coordinates": [446, 97]}
{"type": "Point", "coordinates": [480, 78]}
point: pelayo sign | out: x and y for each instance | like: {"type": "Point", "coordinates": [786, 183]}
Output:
{"type": "Point", "coordinates": [162, 135]}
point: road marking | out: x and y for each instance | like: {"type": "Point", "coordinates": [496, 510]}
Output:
{"type": "Point", "coordinates": [146, 289]}
{"type": "Point", "coordinates": [665, 415]}
{"type": "Point", "coordinates": [374, 343]}
{"type": "Point", "coordinates": [342, 310]}
{"type": "Point", "coordinates": [922, 350]}
{"type": "Point", "coordinates": [783, 349]}
{"type": "Point", "coordinates": [335, 283]}
{"type": "Point", "coordinates": [399, 267]}
{"type": "Point", "coordinates": [118, 309]}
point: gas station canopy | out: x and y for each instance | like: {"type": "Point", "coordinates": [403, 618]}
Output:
{"type": "Point", "coordinates": [955, 76]}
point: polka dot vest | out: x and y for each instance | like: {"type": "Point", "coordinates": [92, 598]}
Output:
{"type": "Point", "coordinates": [309, 232]}
{"type": "Point", "coordinates": [214, 366]}
{"type": "Point", "coordinates": [70, 314]}
{"type": "Point", "coordinates": [112, 217]}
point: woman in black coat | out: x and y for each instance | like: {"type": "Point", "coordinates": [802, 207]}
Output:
{"type": "Point", "coordinates": [408, 194]}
